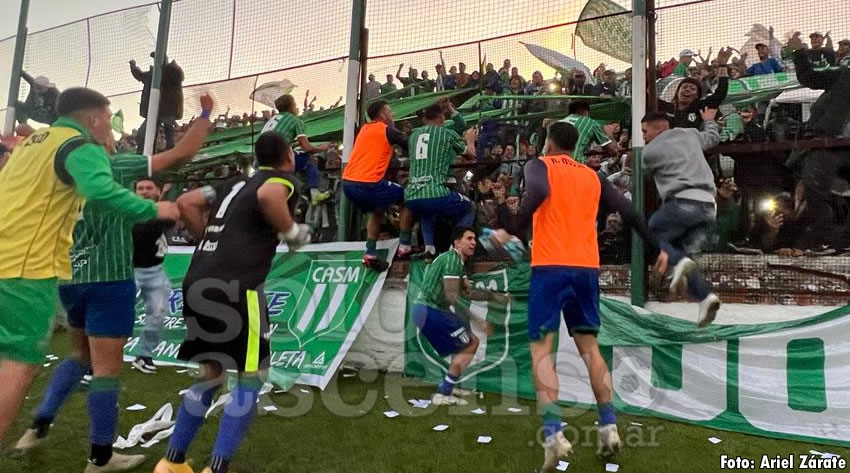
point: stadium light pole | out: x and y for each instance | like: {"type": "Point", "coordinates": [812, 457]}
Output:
{"type": "Point", "coordinates": [639, 71]}
{"type": "Point", "coordinates": [151, 127]}
{"type": "Point", "coordinates": [352, 112]}
{"type": "Point", "coordinates": [17, 67]}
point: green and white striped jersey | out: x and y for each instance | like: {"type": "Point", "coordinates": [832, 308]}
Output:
{"type": "Point", "coordinates": [448, 265]}
{"type": "Point", "coordinates": [288, 126]}
{"type": "Point", "coordinates": [589, 131]}
{"type": "Point", "coordinates": [103, 240]}
{"type": "Point", "coordinates": [433, 149]}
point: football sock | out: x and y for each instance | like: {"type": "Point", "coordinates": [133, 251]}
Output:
{"type": "Point", "coordinates": [64, 380]}
{"type": "Point", "coordinates": [238, 414]}
{"type": "Point", "coordinates": [607, 414]}
{"type": "Point", "coordinates": [447, 385]}
{"type": "Point", "coordinates": [103, 412]}
{"type": "Point", "coordinates": [190, 418]}
{"type": "Point", "coordinates": [551, 420]}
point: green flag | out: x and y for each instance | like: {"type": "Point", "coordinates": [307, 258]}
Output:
{"type": "Point", "coordinates": [611, 35]}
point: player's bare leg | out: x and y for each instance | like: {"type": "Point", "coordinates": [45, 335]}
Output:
{"type": "Point", "coordinates": [600, 381]}
{"type": "Point", "coordinates": [555, 445]}
{"type": "Point", "coordinates": [17, 378]}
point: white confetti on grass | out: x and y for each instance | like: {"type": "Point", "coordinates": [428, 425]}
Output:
{"type": "Point", "coordinates": [391, 414]}
{"type": "Point", "coordinates": [485, 439]}
{"type": "Point", "coordinates": [612, 467]}
{"type": "Point", "coordinates": [714, 440]}
{"type": "Point", "coordinates": [137, 407]}
{"type": "Point", "coordinates": [478, 411]}
{"type": "Point", "coordinates": [562, 465]}
{"type": "Point", "coordinates": [441, 427]}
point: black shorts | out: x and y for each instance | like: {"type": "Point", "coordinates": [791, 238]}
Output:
{"type": "Point", "coordinates": [226, 324]}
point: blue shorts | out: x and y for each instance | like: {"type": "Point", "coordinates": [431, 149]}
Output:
{"type": "Point", "coordinates": [556, 290]}
{"type": "Point", "coordinates": [450, 207]}
{"type": "Point", "coordinates": [446, 332]}
{"type": "Point", "coordinates": [103, 309]}
{"type": "Point", "coordinates": [371, 196]}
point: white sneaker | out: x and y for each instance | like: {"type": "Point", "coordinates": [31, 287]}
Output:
{"type": "Point", "coordinates": [683, 268]}
{"type": "Point", "coordinates": [460, 392]}
{"type": "Point", "coordinates": [447, 400]}
{"type": "Point", "coordinates": [708, 310]}
{"type": "Point", "coordinates": [29, 440]}
{"type": "Point", "coordinates": [145, 365]}
{"type": "Point", "coordinates": [609, 440]}
{"type": "Point", "coordinates": [118, 462]}
{"type": "Point", "coordinates": [555, 448]}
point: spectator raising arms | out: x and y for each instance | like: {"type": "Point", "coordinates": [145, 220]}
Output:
{"type": "Point", "coordinates": [170, 102]}
{"type": "Point", "coordinates": [684, 111]}
{"type": "Point", "coordinates": [40, 104]}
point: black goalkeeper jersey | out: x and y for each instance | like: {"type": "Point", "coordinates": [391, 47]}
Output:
{"type": "Point", "coordinates": [239, 243]}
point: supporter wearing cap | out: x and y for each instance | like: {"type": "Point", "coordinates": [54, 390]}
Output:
{"type": "Point", "coordinates": [819, 54]}
{"type": "Point", "coordinates": [842, 56]}
{"type": "Point", "coordinates": [685, 59]}
{"type": "Point", "coordinates": [40, 104]}
{"type": "Point", "coordinates": [766, 64]}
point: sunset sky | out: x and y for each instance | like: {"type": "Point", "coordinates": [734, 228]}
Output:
{"type": "Point", "coordinates": [277, 34]}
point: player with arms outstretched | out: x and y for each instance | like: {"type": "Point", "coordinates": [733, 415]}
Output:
{"type": "Point", "coordinates": [436, 312]}
{"type": "Point", "coordinates": [223, 301]}
{"type": "Point", "coordinates": [562, 201]}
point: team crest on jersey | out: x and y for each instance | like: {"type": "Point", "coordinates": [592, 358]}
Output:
{"type": "Point", "coordinates": [491, 351]}
{"type": "Point", "coordinates": [692, 117]}
{"type": "Point", "coordinates": [333, 290]}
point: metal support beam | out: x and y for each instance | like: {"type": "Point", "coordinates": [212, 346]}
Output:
{"type": "Point", "coordinates": [352, 86]}
{"type": "Point", "coordinates": [151, 127]}
{"type": "Point", "coordinates": [17, 67]}
{"type": "Point", "coordinates": [639, 92]}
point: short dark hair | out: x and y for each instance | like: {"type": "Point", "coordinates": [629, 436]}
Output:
{"type": "Point", "coordinates": [578, 107]}
{"type": "Point", "coordinates": [271, 149]}
{"type": "Point", "coordinates": [375, 109]}
{"type": "Point", "coordinates": [459, 232]}
{"type": "Point", "coordinates": [433, 112]}
{"type": "Point", "coordinates": [761, 45]}
{"type": "Point", "coordinates": [284, 103]}
{"type": "Point", "coordinates": [655, 117]}
{"type": "Point", "coordinates": [564, 135]}
{"type": "Point", "coordinates": [77, 99]}
{"type": "Point", "coordinates": [155, 182]}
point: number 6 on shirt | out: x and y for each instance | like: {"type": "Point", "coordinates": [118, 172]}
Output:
{"type": "Point", "coordinates": [422, 146]}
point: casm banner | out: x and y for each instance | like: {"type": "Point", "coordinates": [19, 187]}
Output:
{"type": "Point", "coordinates": [318, 299]}
{"type": "Point", "coordinates": [783, 380]}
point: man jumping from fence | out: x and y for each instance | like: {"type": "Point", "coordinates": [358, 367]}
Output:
{"type": "Point", "coordinates": [675, 157]}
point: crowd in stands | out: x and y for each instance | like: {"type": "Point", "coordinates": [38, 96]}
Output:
{"type": "Point", "coordinates": [766, 203]}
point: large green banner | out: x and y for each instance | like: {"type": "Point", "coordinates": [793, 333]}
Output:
{"type": "Point", "coordinates": [318, 299]}
{"type": "Point", "coordinates": [784, 380]}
